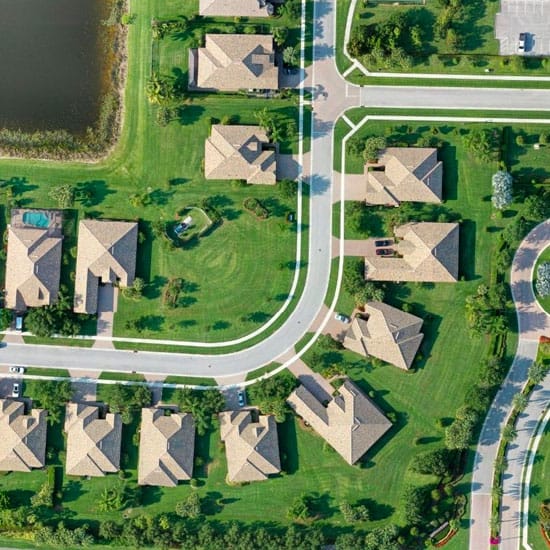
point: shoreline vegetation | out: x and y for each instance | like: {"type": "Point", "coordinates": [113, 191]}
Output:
{"type": "Point", "coordinates": [97, 141]}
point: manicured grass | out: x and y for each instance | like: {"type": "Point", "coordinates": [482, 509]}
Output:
{"type": "Point", "coordinates": [47, 371]}
{"type": "Point", "coordinates": [543, 301]}
{"type": "Point", "coordinates": [262, 370]}
{"type": "Point", "coordinates": [164, 163]}
{"type": "Point", "coordinates": [538, 490]}
{"type": "Point", "coordinates": [196, 381]}
{"type": "Point", "coordinates": [122, 376]}
{"type": "Point", "coordinates": [73, 342]}
{"type": "Point", "coordinates": [478, 53]}
{"type": "Point", "coordinates": [357, 77]}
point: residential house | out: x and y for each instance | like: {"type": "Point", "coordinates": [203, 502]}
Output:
{"type": "Point", "coordinates": [425, 252]}
{"type": "Point", "coordinates": [23, 437]}
{"type": "Point", "coordinates": [385, 332]}
{"type": "Point", "coordinates": [236, 8]}
{"type": "Point", "coordinates": [350, 422]}
{"type": "Point", "coordinates": [240, 153]}
{"type": "Point", "coordinates": [106, 255]}
{"type": "Point", "coordinates": [93, 441]}
{"type": "Point", "coordinates": [251, 445]}
{"type": "Point", "coordinates": [33, 265]}
{"type": "Point", "coordinates": [166, 447]}
{"type": "Point", "coordinates": [405, 174]}
{"type": "Point", "coordinates": [232, 62]}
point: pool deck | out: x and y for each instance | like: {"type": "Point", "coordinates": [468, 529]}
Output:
{"type": "Point", "coordinates": [55, 218]}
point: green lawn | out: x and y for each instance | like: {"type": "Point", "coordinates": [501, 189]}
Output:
{"type": "Point", "coordinates": [47, 371]}
{"type": "Point", "coordinates": [122, 376]}
{"type": "Point", "coordinates": [477, 54]}
{"type": "Point", "coordinates": [73, 342]}
{"type": "Point", "coordinates": [164, 163]}
{"type": "Point", "coordinates": [538, 490]}
{"type": "Point", "coordinates": [543, 301]}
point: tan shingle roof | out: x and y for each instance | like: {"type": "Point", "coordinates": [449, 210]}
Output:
{"type": "Point", "coordinates": [387, 333]}
{"type": "Point", "coordinates": [351, 422]}
{"type": "Point", "coordinates": [237, 61]}
{"type": "Point", "coordinates": [93, 444]}
{"type": "Point", "coordinates": [427, 252]}
{"type": "Point", "coordinates": [106, 254]}
{"type": "Point", "coordinates": [33, 265]}
{"type": "Point", "coordinates": [232, 8]}
{"type": "Point", "coordinates": [411, 174]}
{"type": "Point", "coordinates": [237, 152]}
{"type": "Point", "coordinates": [166, 447]}
{"type": "Point", "coordinates": [23, 437]}
{"type": "Point", "coordinates": [252, 448]}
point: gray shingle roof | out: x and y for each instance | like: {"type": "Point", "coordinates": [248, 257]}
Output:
{"type": "Point", "coordinates": [426, 252]}
{"type": "Point", "coordinates": [106, 254]}
{"type": "Point", "coordinates": [410, 174]}
{"type": "Point", "coordinates": [93, 444]}
{"type": "Point", "coordinates": [238, 152]}
{"type": "Point", "coordinates": [351, 423]}
{"type": "Point", "coordinates": [252, 448]}
{"type": "Point", "coordinates": [33, 265]}
{"type": "Point", "coordinates": [385, 332]}
{"type": "Point", "coordinates": [166, 447]}
{"type": "Point", "coordinates": [233, 62]}
{"type": "Point", "coordinates": [23, 437]}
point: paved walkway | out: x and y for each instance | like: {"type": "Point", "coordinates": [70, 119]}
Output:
{"type": "Point", "coordinates": [532, 322]}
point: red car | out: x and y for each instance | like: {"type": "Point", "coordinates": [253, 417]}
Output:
{"type": "Point", "coordinates": [384, 252]}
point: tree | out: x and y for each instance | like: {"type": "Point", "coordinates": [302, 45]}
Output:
{"type": "Point", "coordinates": [478, 142]}
{"type": "Point", "coordinates": [135, 291]}
{"type": "Point", "coordinates": [502, 189]}
{"type": "Point", "coordinates": [64, 195]}
{"type": "Point", "coordinates": [279, 35]}
{"type": "Point", "coordinates": [353, 514]}
{"type": "Point", "coordinates": [300, 508]}
{"type": "Point", "coordinates": [537, 372]}
{"type": "Point", "coordinates": [373, 145]}
{"type": "Point", "coordinates": [415, 502]}
{"type": "Point", "coordinates": [203, 404]}
{"type": "Point", "coordinates": [44, 496]}
{"type": "Point", "coordinates": [520, 401]}
{"type": "Point", "coordinates": [508, 433]}
{"type": "Point", "coordinates": [288, 188]}
{"type": "Point", "coordinates": [159, 90]}
{"type": "Point", "coordinates": [536, 207]}
{"type": "Point", "coordinates": [271, 394]}
{"type": "Point", "coordinates": [544, 515]}
{"type": "Point", "coordinates": [542, 283]}
{"type": "Point", "coordinates": [51, 395]}
{"type": "Point", "coordinates": [459, 434]}
{"type": "Point", "coordinates": [290, 56]}
{"type": "Point", "coordinates": [190, 508]}
{"type": "Point", "coordinates": [383, 538]}
{"type": "Point", "coordinates": [126, 399]}
{"type": "Point", "coordinates": [5, 502]}
{"type": "Point", "coordinates": [436, 462]}
{"type": "Point", "coordinates": [5, 318]}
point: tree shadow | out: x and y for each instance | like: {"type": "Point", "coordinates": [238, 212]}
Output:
{"type": "Point", "coordinates": [91, 193]}
{"type": "Point", "coordinates": [377, 511]}
{"type": "Point", "coordinates": [321, 505]}
{"type": "Point", "coordinates": [151, 322]}
{"type": "Point", "coordinates": [189, 114]}
{"type": "Point", "coordinates": [211, 503]}
{"type": "Point", "coordinates": [467, 252]}
{"type": "Point", "coordinates": [160, 197]}
{"type": "Point", "coordinates": [288, 444]}
{"type": "Point", "coordinates": [72, 490]}
{"type": "Point", "coordinates": [221, 325]}
{"type": "Point", "coordinates": [202, 455]}
{"type": "Point", "coordinates": [150, 495]}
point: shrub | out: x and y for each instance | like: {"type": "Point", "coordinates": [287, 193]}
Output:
{"type": "Point", "coordinates": [543, 279]}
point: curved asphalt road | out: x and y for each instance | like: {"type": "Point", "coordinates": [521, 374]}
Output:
{"type": "Point", "coordinates": [332, 95]}
{"type": "Point", "coordinates": [532, 323]}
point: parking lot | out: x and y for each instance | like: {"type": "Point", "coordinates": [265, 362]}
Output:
{"type": "Point", "coordinates": [523, 16]}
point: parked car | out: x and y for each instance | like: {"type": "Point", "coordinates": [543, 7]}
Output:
{"type": "Point", "coordinates": [242, 399]}
{"type": "Point", "coordinates": [16, 390]}
{"type": "Point", "coordinates": [384, 252]}
{"type": "Point", "coordinates": [521, 42]}
{"type": "Point", "coordinates": [18, 370]}
{"type": "Point", "coordinates": [384, 242]}
{"type": "Point", "coordinates": [342, 318]}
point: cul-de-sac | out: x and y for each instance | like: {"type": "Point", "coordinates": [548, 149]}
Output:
{"type": "Point", "coordinates": [275, 274]}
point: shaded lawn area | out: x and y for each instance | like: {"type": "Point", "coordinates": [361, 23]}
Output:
{"type": "Point", "coordinates": [539, 490]}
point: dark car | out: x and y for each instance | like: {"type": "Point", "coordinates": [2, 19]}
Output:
{"type": "Point", "coordinates": [384, 252]}
{"type": "Point", "coordinates": [241, 398]}
{"type": "Point", "coordinates": [382, 243]}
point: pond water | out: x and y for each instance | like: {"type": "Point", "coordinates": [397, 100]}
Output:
{"type": "Point", "coordinates": [50, 63]}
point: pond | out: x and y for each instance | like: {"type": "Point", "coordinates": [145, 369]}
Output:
{"type": "Point", "coordinates": [51, 63]}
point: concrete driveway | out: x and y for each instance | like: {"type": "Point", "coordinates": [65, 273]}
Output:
{"type": "Point", "coordinates": [527, 16]}
{"type": "Point", "coordinates": [106, 307]}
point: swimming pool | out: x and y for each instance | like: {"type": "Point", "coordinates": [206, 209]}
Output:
{"type": "Point", "coordinates": [38, 219]}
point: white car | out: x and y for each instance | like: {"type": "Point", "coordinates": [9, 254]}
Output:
{"type": "Point", "coordinates": [342, 318]}
{"type": "Point", "coordinates": [16, 390]}
{"type": "Point", "coordinates": [521, 42]}
{"type": "Point", "coordinates": [18, 370]}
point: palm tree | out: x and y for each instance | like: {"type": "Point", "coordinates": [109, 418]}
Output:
{"type": "Point", "coordinates": [520, 401]}
{"type": "Point", "coordinates": [509, 433]}
{"type": "Point", "coordinates": [290, 56]}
